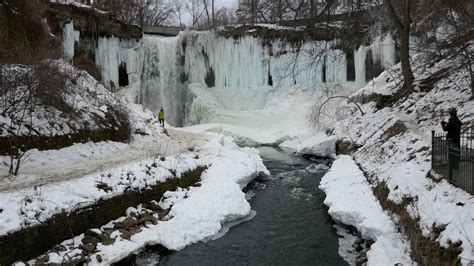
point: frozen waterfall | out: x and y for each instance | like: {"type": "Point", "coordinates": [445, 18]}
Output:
{"type": "Point", "coordinates": [237, 74]}
{"type": "Point", "coordinates": [160, 79]}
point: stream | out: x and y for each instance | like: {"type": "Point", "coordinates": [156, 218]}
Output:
{"type": "Point", "coordinates": [290, 224]}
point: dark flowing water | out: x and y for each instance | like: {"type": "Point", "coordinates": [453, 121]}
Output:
{"type": "Point", "coordinates": [291, 226]}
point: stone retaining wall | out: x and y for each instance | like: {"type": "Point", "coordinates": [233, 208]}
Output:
{"type": "Point", "coordinates": [34, 241]}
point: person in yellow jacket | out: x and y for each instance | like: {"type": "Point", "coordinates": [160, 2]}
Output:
{"type": "Point", "coordinates": [161, 117]}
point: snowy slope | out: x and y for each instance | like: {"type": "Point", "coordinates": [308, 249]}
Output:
{"type": "Point", "coordinates": [395, 149]}
{"type": "Point", "coordinates": [56, 99]}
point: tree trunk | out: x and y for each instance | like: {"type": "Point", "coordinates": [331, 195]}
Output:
{"type": "Point", "coordinates": [403, 30]}
{"type": "Point", "coordinates": [254, 11]}
{"type": "Point", "coordinates": [206, 8]}
{"type": "Point", "coordinates": [17, 168]}
{"type": "Point", "coordinates": [12, 160]}
{"type": "Point", "coordinates": [472, 85]}
{"type": "Point", "coordinates": [280, 11]}
{"type": "Point", "coordinates": [405, 57]}
{"type": "Point", "coordinates": [312, 10]}
{"type": "Point", "coordinates": [213, 15]}
{"type": "Point", "coordinates": [405, 43]}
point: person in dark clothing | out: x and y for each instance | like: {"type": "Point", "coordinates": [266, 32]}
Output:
{"type": "Point", "coordinates": [453, 127]}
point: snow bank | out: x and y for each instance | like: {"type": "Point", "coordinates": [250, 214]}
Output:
{"type": "Point", "coordinates": [395, 148]}
{"type": "Point", "coordinates": [351, 201]}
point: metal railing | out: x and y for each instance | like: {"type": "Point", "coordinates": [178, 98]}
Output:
{"type": "Point", "coordinates": [453, 162]}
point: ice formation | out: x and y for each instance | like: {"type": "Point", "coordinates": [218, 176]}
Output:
{"type": "Point", "coordinates": [160, 78]}
{"type": "Point", "coordinates": [241, 74]}
{"type": "Point", "coordinates": [70, 36]}
{"type": "Point", "coordinates": [111, 52]}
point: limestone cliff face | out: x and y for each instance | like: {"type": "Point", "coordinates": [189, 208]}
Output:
{"type": "Point", "coordinates": [90, 22]}
{"type": "Point", "coordinates": [82, 28]}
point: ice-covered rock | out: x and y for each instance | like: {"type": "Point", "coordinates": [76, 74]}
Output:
{"type": "Point", "coordinates": [314, 168]}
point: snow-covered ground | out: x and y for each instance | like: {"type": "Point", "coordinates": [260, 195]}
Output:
{"type": "Point", "coordinates": [196, 214]}
{"type": "Point", "coordinates": [42, 167]}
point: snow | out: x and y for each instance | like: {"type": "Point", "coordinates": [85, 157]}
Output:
{"type": "Point", "coordinates": [318, 144]}
{"type": "Point", "coordinates": [197, 214]}
{"type": "Point", "coordinates": [389, 250]}
{"type": "Point", "coordinates": [351, 202]}
{"type": "Point", "coordinates": [346, 189]}
{"type": "Point", "coordinates": [83, 95]}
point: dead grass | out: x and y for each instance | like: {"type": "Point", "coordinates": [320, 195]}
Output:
{"type": "Point", "coordinates": [396, 129]}
{"type": "Point", "coordinates": [424, 250]}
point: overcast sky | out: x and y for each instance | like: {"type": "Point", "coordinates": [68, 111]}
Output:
{"type": "Point", "coordinates": [227, 3]}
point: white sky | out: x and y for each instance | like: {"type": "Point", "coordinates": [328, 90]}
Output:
{"type": "Point", "coordinates": [226, 3]}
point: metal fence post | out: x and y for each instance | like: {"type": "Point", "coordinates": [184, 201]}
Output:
{"type": "Point", "coordinates": [450, 169]}
{"type": "Point", "coordinates": [432, 149]}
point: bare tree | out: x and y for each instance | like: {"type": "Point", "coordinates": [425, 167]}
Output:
{"type": "Point", "coordinates": [225, 16]}
{"type": "Point", "coordinates": [461, 17]}
{"type": "Point", "coordinates": [177, 7]}
{"type": "Point", "coordinates": [22, 90]}
{"type": "Point", "coordinates": [401, 20]}
{"type": "Point", "coordinates": [209, 14]}
{"type": "Point", "coordinates": [195, 10]}
{"type": "Point", "coordinates": [454, 44]}
{"type": "Point", "coordinates": [150, 12]}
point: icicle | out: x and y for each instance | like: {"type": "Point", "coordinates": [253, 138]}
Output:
{"type": "Point", "coordinates": [70, 36]}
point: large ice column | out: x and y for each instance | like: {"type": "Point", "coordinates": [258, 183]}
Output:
{"type": "Point", "coordinates": [383, 50]}
{"type": "Point", "coordinates": [160, 80]}
{"type": "Point", "coordinates": [107, 58]}
{"type": "Point", "coordinates": [131, 53]}
{"type": "Point", "coordinates": [223, 62]}
{"type": "Point", "coordinates": [359, 61]}
{"type": "Point", "coordinates": [111, 52]}
{"type": "Point", "coordinates": [249, 62]}
{"type": "Point", "coordinates": [382, 55]}
{"type": "Point", "coordinates": [70, 37]}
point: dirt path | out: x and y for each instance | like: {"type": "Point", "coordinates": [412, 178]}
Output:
{"type": "Point", "coordinates": [74, 162]}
